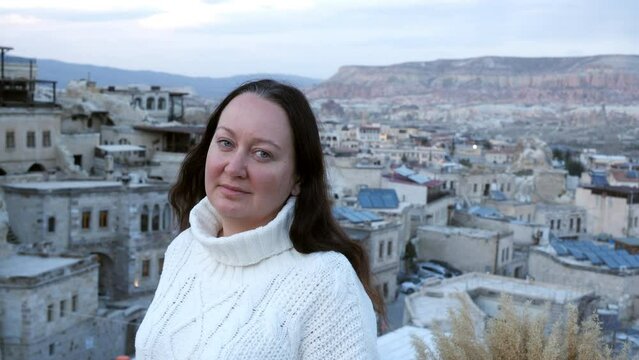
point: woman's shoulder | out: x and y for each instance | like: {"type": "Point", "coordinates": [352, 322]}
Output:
{"type": "Point", "coordinates": [330, 266]}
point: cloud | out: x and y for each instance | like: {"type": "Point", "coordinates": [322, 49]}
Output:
{"type": "Point", "coordinates": [18, 20]}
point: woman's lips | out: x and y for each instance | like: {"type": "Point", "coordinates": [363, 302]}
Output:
{"type": "Point", "coordinates": [232, 190]}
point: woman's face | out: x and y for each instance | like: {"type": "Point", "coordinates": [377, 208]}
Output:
{"type": "Point", "coordinates": [250, 165]}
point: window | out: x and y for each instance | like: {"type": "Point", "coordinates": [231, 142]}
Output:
{"type": "Point", "coordinates": [46, 138]}
{"type": "Point", "coordinates": [389, 248]}
{"type": "Point", "coordinates": [474, 188]}
{"type": "Point", "coordinates": [381, 250]}
{"type": "Point", "coordinates": [578, 224]}
{"type": "Point", "coordinates": [146, 268]}
{"type": "Point", "coordinates": [160, 265]}
{"type": "Point", "coordinates": [74, 303]}
{"type": "Point", "coordinates": [155, 220]}
{"type": "Point", "coordinates": [571, 223]}
{"type": "Point", "coordinates": [508, 187]}
{"type": "Point", "coordinates": [51, 224]}
{"type": "Point", "coordinates": [104, 218]}
{"type": "Point", "coordinates": [150, 103]}
{"type": "Point", "coordinates": [144, 219]}
{"type": "Point", "coordinates": [636, 220]}
{"type": "Point", "coordinates": [51, 349]}
{"type": "Point", "coordinates": [552, 224]}
{"type": "Point", "coordinates": [161, 103]}
{"type": "Point", "coordinates": [49, 312]}
{"type": "Point", "coordinates": [63, 307]}
{"type": "Point", "coordinates": [10, 140]}
{"type": "Point", "coordinates": [385, 287]}
{"type": "Point", "coordinates": [558, 224]}
{"type": "Point", "coordinates": [30, 139]}
{"type": "Point", "coordinates": [166, 217]}
{"type": "Point", "coordinates": [86, 219]}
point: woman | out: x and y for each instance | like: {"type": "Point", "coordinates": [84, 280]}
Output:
{"type": "Point", "coordinates": [261, 268]}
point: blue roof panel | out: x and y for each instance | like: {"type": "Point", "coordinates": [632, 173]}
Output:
{"type": "Point", "coordinates": [418, 178]}
{"type": "Point", "coordinates": [378, 198]}
{"type": "Point", "coordinates": [404, 171]}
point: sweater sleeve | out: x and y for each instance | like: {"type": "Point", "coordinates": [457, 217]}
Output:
{"type": "Point", "coordinates": [340, 321]}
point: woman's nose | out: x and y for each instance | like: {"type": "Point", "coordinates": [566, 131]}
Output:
{"type": "Point", "coordinates": [236, 165]}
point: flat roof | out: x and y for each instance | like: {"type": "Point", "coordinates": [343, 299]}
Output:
{"type": "Point", "coordinates": [398, 344]}
{"type": "Point", "coordinates": [517, 287]}
{"type": "Point", "coordinates": [63, 185]}
{"type": "Point", "coordinates": [117, 148]}
{"type": "Point", "coordinates": [464, 231]}
{"type": "Point", "coordinates": [31, 266]}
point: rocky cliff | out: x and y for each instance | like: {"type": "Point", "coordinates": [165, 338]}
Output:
{"type": "Point", "coordinates": [611, 79]}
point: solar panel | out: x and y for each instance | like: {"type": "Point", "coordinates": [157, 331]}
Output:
{"type": "Point", "coordinates": [418, 178]}
{"type": "Point", "coordinates": [378, 198]}
{"type": "Point", "coordinates": [594, 259]}
{"type": "Point", "coordinates": [632, 261]}
{"type": "Point", "coordinates": [611, 262]}
{"type": "Point", "coordinates": [578, 254]}
{"type": "Point", "coordinates": [559, 248]}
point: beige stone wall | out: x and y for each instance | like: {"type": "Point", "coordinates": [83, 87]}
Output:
{"type": "Point", "coordinates": [549, 184]}
{"type": "Point", "coordinates": [20, 121]}
{"type": "Point", "coordinates": [82, 144]}
{"type": "Point", "coordinates": [605, 283]}
{"type": "Point", "coordinates": [606, 214]}
{"type": "Point", "coordinates": [476, 253]}
{"type": "Point", "coordinates": [411, 193]}
{"type": "Point", "coordinates": [26, 331]}
{"type": "Point", "coordinates": [347, 180]}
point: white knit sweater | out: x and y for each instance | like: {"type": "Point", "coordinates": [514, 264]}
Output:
{"type": "Point", "coordinates": [253, 296]}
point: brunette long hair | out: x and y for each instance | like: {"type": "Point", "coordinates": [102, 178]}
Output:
{"type": "Point", "coordinates": [313, 228]}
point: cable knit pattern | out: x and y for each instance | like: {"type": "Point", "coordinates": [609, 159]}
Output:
{"type": "Point", "coordinates": [253, 296]}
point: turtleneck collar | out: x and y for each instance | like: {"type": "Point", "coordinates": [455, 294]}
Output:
{"type": "Point", "coordinates": [245, 248]}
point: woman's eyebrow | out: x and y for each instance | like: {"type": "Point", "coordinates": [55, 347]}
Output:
{"type": "Point", "coordinates": [257, 139]}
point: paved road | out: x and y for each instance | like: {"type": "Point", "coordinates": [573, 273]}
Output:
{"type": "Point", "coordinates": [395, 313]}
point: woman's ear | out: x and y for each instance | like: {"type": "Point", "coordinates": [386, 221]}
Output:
{"type": "Point", "coordinates": [296, 188]}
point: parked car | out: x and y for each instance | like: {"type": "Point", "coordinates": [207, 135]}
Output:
{"type": "Point", "coordinates": [453, 270]}
{"type": "Point", "coordinates": [439, 268]}
{"type": "Point", "coordinates": [411, 285]}
{"type": "Point", "coordinates": [427, 274]}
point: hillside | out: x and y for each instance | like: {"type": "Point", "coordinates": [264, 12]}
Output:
{"type": "Point", "coordinates": [206, 87]}
{"type": "Point", "coordinates": [611, 79]}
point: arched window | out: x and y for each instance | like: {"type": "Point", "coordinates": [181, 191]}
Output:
{"type": "Point", "coordinates": [150, 103]}
{"type": "Point", "coordinates": [138, 103]}
{"type": "Point", "coordinates": [161, 103]}
{"type": "Point", "coordinates": [123, 141]}
{"type": "Point", "coordinates": [36, 168]}
{"type": "Point", "coordinates": [144, 219]}
{"type": "Point", "coordinates": [166, 217]}
{"type": "Point", "coordinates": [155, 220]}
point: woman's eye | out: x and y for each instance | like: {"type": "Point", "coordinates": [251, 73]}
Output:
{"type": "Point", "coordinates": [224, 143]}
{"type": "Point", "coordinates": [263, 154]}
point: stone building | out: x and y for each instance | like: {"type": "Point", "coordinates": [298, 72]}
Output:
{"type": "Point", "coordinates": [30, 120]}
{"type": "Point", "coordinates": [611, 210]}
{"type": "Point", "coordinates": [562, 220]}
{"type": "Point", "coordinates": [347, 175]}
{"type": "Point", "coordinates": [430, 306]}
{"type": "Point", "coordinates": [127, 226]}
{"type": "Point", "coordinates": [614, 281]}
{"type": "Point", "coordinates": [466, 248]}
{"type": "Point", "coordinates": [48, 307]}
{"type": "Point", "coordinates": [382, 240]}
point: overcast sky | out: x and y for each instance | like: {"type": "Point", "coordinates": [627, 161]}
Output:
{"type": "Point", "coordinates": [309, 37]}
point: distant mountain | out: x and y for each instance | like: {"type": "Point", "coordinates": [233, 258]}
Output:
{"type": "Point", "coordinates": [610, 79]}
{"type": "Point", "coordinates": [206, 87]}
